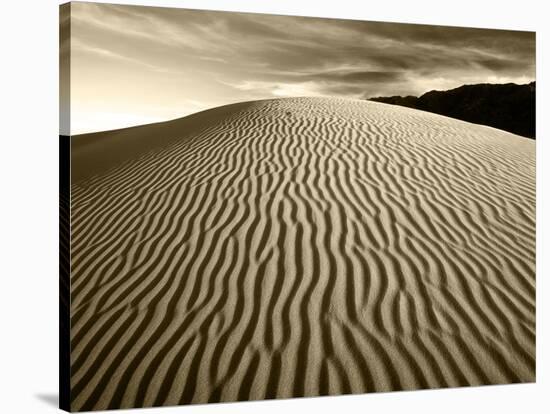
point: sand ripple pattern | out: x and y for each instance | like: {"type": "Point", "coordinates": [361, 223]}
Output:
{"type": "Point", "coordinates": [303, 247]}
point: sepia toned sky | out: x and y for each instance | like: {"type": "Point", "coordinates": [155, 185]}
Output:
{"type": "Point", "coordinates": [134, 65]}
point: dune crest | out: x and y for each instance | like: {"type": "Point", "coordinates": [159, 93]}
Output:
{"type": "Point", "coordinates": [302, 247]}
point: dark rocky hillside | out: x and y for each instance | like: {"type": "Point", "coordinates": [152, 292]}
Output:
{"type": "Point", "coordinates": [509, 107]}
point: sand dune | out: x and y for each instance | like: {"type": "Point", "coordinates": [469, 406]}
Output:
{"type": "Point", "coordinates": [300, 247]}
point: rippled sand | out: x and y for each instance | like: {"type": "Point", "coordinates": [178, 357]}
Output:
{"type": "Point", "coordinates": [299, 247]}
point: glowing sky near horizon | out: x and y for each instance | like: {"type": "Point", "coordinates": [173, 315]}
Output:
{"type": "Point", "coordinates": [134, 65]}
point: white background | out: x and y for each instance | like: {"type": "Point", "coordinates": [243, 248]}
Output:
{"type": "Point", "coordinates": [29, 216]}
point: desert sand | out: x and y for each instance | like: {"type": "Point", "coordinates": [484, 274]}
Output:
{"type": "Point", "coordinates": [299, 247]}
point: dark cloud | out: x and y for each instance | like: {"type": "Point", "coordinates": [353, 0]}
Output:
{"type": "Point", "coordinates": [212, 58]}
{"type": "Point", "coordinates": [501, 64]}
{"type": "Point", "coordinates": [356, 76]}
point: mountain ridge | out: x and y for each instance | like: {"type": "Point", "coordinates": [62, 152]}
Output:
{"type": "Point", "coordinates": [508, 106]}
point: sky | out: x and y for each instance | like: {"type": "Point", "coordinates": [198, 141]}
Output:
{"type": "Point", "coordinates": [133, 65]}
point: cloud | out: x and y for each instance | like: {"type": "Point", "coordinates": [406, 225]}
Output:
{"type": "Point", "coordinates": [279, 89]}
{"type": "Point", "coordinates": [355, 76]}
{"type": "Point", "coordinates": [216, 58]}
{"type": "Point", "coordinates": [78, 46]}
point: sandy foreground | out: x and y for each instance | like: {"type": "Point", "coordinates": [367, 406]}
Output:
{"type": "Point", "coordinates": [299, 247]}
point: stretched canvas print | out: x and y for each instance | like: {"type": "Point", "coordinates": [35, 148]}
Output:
{"type": "Point", "coordinates": [261, 206]}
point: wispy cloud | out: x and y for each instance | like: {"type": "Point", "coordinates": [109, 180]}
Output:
{"type": "Point", "coordinates": [162, 55]}
{"type": "Point", "coordinates": [78, 46]}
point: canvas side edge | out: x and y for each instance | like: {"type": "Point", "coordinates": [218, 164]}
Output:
{"type": "Point", "coordinates": [64, 208]}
